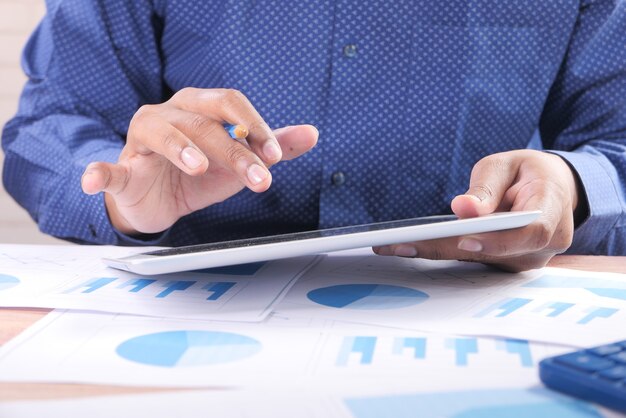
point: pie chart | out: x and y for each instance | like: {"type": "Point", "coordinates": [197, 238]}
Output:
{"type": "Point", "coordinates": [188, 348]}
{"type": "Point", "coordinates": [367, 296]}
{"type": "Point", "coordinates": [7, 282]}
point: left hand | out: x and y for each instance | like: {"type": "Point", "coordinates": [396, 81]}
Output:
{"type": "Point", "coordinates": [509, 181]}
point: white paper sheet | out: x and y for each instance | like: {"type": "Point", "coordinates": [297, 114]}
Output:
{"type": "Point", "coordinates": [73, 277]}
{"type": "Point", "coordinates": [529, 401]}
{"type": "Point", "coordinates": [550, 305]}
{"type": "Point", "coordinates": [132, 350]}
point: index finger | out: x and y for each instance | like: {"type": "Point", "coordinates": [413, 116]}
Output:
{"type": "Point", "coordinates": [233, 107]}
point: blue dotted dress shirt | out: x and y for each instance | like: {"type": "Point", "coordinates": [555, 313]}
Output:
{"type": "Point", "coordinates": [407, 95]}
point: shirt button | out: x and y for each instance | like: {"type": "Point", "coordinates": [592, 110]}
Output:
{"type": "Point", "coordinates": [338, 178]}
{"type": "Point", "coordinates": [350, 50]}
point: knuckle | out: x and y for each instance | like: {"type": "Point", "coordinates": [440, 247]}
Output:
{"type": "Point", "coordinates": [258, 125]}
{"type": "Point", "coordinates": [233, 97]}
{"type": "Point", "coordinates": [170, 141]}
{"type": "Point", "coordinates": [485, 190]}
{"type": "Point", "coordinates": [108, 179]}
{"type": "Point", "coordinates": [185, 93]}
{"type": "Point", "coordinates": [124, 180]}
{"type": "Point", "coordinates": [563, 239]}
{"type": "Point", "coordinates": [436, 253]}
{"type": "Point", "coordinates": [235, 153]}
{"type": "Point", "coordinates": [203, 127]}
{"type": "Point", "coordinates": [542, 234]}
{"type": "Point", "coordinates": [495, 163]}
{"type": "Point", "coordinates": [502, 249]}
{"type": "Point", "coordinates": [144, 113]}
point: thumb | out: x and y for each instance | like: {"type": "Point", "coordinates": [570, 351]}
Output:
{"type": "Point", "coordinates": [296, 140]}
{"type": "Point", "coordinates": [490, 179]}
{"type": "Point", "coordinates": [104, 177]}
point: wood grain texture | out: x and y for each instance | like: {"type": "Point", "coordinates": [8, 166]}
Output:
{"type": "Point", "coordinates": [14, 321]}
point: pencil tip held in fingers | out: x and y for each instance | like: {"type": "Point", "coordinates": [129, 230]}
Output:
{"type": "Point", "coordinates": [237, 131]}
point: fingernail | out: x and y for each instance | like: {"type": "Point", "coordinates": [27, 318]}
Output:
{"type": "Point", "coordinates": [472, 245]}
{"type": "Point", "coordinates": [88, 172]}
{"type": "Point", "coordinates": [256, 174]}
{"type": "Point", "coordinates": [383, 251]}
{"type": "Point", "coordinates": [474, 197]}
{"type": "Point", "coordinates": [272, 151]}
{"type": "Point", "coordinates": [191, 157]}
{"type": "Point", "coordinates": [405, 251]}
{"type": "Point", "coordinates": [283, 130]}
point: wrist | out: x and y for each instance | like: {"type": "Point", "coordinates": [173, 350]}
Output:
{"type": "Point", "coordinates": [580, 209]}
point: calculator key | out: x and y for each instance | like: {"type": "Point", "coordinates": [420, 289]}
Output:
{"type": "Point", "coordinates": [584, 361]}
{"type": "Point", "coordinates": [614, 373]}
{"type": "Point", "coordinates": [621, 357]}
{"type": "Point", "coordinates": [606, 350]}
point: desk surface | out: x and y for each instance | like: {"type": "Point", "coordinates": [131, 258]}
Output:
{"type": "Point", "coordinates": [14, 321]}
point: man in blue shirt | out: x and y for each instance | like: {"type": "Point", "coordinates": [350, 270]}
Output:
{"type": "Point", "coordinates": [417, 105]}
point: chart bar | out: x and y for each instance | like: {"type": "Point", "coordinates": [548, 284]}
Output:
{"type": "Point", "coordinates": [518, 347]}
{"type": "Point", "coordinates": [218, 289]}
{"type": "Point", "coordinates": [357, 345]}
{"type": "Point", "coordinates": [596, 312]}
{"type": "Point", "coordinates": [463, 348]}
{"type": "Point", "coordinates": [92, 285]}
{"type": "Point", "coordinates": [418, 345]}
{"type": "Point", "coordinates": [139, 284]}
{"type": "Point", "coordinates": [507, 307]}
{"type": "Point", "coordinates": [178, 285]}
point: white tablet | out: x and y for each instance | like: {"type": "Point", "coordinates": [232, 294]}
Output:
{"type": "Point", "coordinates": [274, 247]}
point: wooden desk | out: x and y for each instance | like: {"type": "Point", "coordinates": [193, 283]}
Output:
{"type": "Point", "coordinates": [14, 321]}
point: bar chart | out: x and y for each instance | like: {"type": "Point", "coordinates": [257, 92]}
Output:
{"type": "Point", "coordinates": [609, 288]}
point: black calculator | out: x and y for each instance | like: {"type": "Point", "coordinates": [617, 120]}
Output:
{"type": "Point", "coordinates": [595, 374]}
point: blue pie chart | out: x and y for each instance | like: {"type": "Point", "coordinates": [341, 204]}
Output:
{"type": "Point", "coordinates": [188, 348]}
{"type": "Point", "coordinates": [7, 282]}
{"type": "Point", "coordinates": [367, 296]}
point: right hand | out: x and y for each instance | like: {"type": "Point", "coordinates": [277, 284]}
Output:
{"type": "Point", "coordinates": [178, 159]}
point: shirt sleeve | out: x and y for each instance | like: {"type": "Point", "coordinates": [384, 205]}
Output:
{"type": "Point", "coordinates": [584, 121]}
{"type": "Point", "coordinates": [90, 65]}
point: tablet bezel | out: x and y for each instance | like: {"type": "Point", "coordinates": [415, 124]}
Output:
{"type": "Point", "coordinates": [312, 242]}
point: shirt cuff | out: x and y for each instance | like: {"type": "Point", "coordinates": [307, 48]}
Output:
{"type": "Point", "coordinates": [76, 216]}
{"type": "Point", "coordinates": [598, 178]}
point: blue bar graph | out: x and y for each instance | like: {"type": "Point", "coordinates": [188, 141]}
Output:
{"type": "Point", "coordinates": [174, 286]}
{"type": "Point", "coordinates": [360, 345]}
{"type": "Point", "coordinates": [92, 285]}
{"type": "Point", "coordinates": [518, 347]}
{"type": "Point", "coordinates": [536, 402]}
{"type": "Point", "coordinates": [139, 284]}
{"type": "Point", "coordinates": [463, 347]}
{"type": "Point", "coordinates": [557, 308]}
{"type": "Point", "coordinates": [506, 307]}
{"type": "Point", "coordinates": [597, 312]}
{"type": "Point", "coordinates": [136, 285]}
{"type": "Point", "coordinates": [249, 269]}
{"type": "Point", "coordinates": [608, 288]}
{"type": "Point", "coordinates": [218, 289]}
{"type": "Point", "coordinates": [418, 345]}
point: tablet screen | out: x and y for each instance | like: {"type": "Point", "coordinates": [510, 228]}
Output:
{"type": "Point", "coordinates": [302, 235]}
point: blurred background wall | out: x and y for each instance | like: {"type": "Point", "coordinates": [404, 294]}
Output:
{"type": "Point", "coordinates": [17, 19]}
